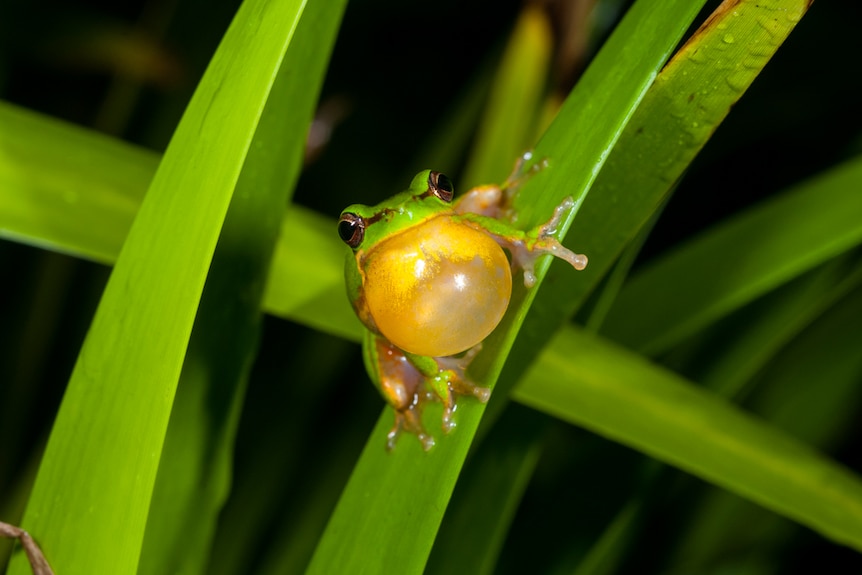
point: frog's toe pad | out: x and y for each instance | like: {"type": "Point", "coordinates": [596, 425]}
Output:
{"type": "Point", "coordinates": [483, 394]}
{"type": "Point", "coordinates": [448, 424]}
{"type": "Point", "coordinates": [426, 440]}
{"type": "Point", "coordinates": [410, 421]}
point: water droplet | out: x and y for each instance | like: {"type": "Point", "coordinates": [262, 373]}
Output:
{"type": "Point", "coordinates": [764, 51]}
{"type": "Point", "coordinates": [728, 39]}
{"type": "Point", "coordinates": [697, 56]}
{"type": "Point", "coordinates": [737, 82]}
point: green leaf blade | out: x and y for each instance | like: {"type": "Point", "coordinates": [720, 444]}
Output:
{"type": "Point", "coordinates": [85, 204]}
{"type": "Point", "coordinates": [195, 472]}
{"type": "Point", "coordinates": [92, 494]}
{"type": "Point", "coordinates": [622, 396]}
{"type": "Point", "coordinates": [740, 260]}
{"type": "Point", "coordinates": [375, 508]}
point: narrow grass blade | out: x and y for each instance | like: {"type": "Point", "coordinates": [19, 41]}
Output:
{"type": "Point", "coordinates": [91, 498]}
{"type": "Point", "coordinates": [740, 260]}
{"type": "Point", "coordinates": [308, 247]}
{"type": "Point", "coordinates": [283, 502]}
{"type": "Point", "coordinates": [811, 390]}
{"type": "Point", "coordinates": [606, 556]}
{"type": "Point", "coordinates": [195, 471]}
{"type": "Point", "coordinates": [373, 512]}
{"type": "Point", "coordinates": [763, 329]}
{"type": "Point", "coordinates": [590, 382]}
{"type": "Point", "coordinates": [516, 95]}
{"type": "Point", "coordinates": [488, 494]}
{"type": "Point", "coordinates": [688, 100]}
{"type": "Point", "coordinates": [85, 204]}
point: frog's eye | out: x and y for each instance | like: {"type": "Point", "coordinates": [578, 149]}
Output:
{"type": "Point", "coordinates": [441, 186]}
{"type": "Point", "coordinates": [351, 229]}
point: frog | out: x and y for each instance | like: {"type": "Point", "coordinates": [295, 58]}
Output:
{"type": "Point", "coordinates": [429, 278]}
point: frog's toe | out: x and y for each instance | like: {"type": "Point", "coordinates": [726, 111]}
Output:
{"type": "Point", "coordinates": [463, 386]}
{"type": "Point", "coordinates": [556, 249]}
{"type": "Point", "coordinates": [426, 440]}
{"type": "Point", "coordinates": [457, 381]}
{"type": "Point", "coordinates": [392, 437]}
{"type": "Point", "coordinates": [529, 277]}
{"type": "Point", "coordinates": [409, 420]}
{"type": "Point", "coordinates": [447, 423]}
{"type": "Point", "coordinates": [483, 394]}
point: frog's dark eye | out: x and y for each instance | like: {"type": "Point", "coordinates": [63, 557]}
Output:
{"type": "Point", "coordinates": [441, 186]}
{"type": "Point", "coordinates": [351, 229]}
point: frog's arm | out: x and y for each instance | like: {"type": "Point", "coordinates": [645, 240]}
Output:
{"type": "Point", "coordinates": [527, 246]}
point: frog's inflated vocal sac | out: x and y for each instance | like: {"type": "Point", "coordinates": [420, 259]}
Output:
{"type": "Point", "coordinates": [430, 280]}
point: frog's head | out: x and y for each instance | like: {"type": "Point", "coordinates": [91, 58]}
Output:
{"type": "Point", "coordinates": [361, 227]}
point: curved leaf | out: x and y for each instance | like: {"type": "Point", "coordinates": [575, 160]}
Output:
{"type": "Point", "coordinates": [588, 381]}
{"type": "Point", "coordinates": [91, 498]}
{"type": "Point", "coordinates": [374, 510]}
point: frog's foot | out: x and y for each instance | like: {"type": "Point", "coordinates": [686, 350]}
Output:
{"type": "Point", "coordinates": [520, 175]}
{"type": "Point", "coordinates": [411, 382]}
{"type": "Point", "coordinates": [542, 241]}
{"type": "Point", "coordinates": [495, 201]}
{"type": "Point", "coordinates": [451, 381]}
{"type": "Point", "coordinates": [409, 419]}
{"type": "Point", "coordinates": [402, 384]}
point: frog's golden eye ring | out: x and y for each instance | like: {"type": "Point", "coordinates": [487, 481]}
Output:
{"type": "Point", "coordinates": [351, 229]}
{"type": "Point", "coordinates": [441, 186]}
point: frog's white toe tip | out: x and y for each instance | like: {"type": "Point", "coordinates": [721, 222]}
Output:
{"type": "Point", "coordinates": [483, 394]}
{"type": "Point", "coordinates": [579, 262]}
{"type": "Point", "coordinates": [427, 442]}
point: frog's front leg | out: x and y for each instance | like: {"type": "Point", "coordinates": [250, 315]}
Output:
{"type": "Point", "coordinates": [539, 241]}
{"type": "Point", "coordinates": [527, 247]}
{"type": "Point", "coordinates": [489, 209]}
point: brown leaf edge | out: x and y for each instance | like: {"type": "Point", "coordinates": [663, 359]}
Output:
{"type": "Point", "coordinates": [37, 560]}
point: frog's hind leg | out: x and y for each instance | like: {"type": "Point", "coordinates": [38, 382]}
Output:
{"type": "Point", "coordinates": [447, 379]}
{"type": "Point", "coordinates": [409, 420]}
{"type": "Point", "coordinates": [402, 386]}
